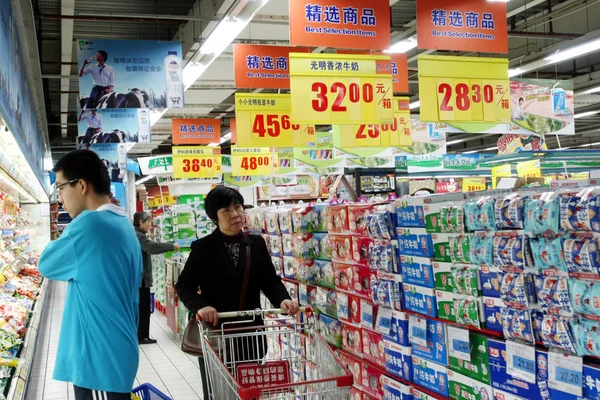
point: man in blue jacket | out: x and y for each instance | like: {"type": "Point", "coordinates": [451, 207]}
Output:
{"type": "Point", "coordinates": [100, 257]}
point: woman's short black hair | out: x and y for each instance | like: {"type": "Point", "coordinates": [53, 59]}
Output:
{"type": "Point", "coordinates": [140, 217]}
{"type": "Point", "coordinates": [221, 197]}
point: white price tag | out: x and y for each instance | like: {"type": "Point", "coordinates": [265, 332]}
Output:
{"type": "Point", "coordinates": [384, 321]}
{"type": "Point", "coordinates": [417, 330]}
{"type": "Point", "coordinates": [521, 361]}
{"type": "Point", "coordinates": [565, 373]}
{"type": "Point", "coordinates": [460, 345]}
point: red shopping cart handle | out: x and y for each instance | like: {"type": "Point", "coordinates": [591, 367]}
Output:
{"type": "Point", "coordinates": [258, 312]}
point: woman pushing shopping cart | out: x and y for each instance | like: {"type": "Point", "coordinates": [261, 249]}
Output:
{"type": "Point", "coordinates": [284, 359]}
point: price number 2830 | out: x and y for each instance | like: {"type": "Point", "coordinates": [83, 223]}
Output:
{"type": "Point", "coordinates": [464, 95]}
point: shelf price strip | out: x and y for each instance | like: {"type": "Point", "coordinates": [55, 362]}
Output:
{"type": "Point", "coordinates": [253, 161]}
{"type": "Point", "coordinates": [341, 89]}
{"type": "Point", "coordinates": [464, 89]}
{"type": "Point", "coordinates": [196, 162]}
{"type": "Point", "coordinates": [264, 120]}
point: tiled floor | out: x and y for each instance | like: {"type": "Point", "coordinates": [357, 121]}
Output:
{"type": "Point", "coordinates": [163, 365]}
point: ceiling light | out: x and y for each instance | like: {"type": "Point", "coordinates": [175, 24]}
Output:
{"type": "Point", "coordinates": [222, 36]}
{"type": "Point", "coordinates": [403, 46]}
{"type": "Point", "coordinates": [213, 144]}
{"type": "Point", "coordinates": [450, 143]}
{"type": "Point", "coordinates": [590, 91]}
{"type": "Point", "coordinates": [470, 152]}
{"type": "Point", "coordinates": [574, 51]}
{"type": "Point", "coordinates": [586, 114]}
{"type": "Point", "coordinates": [226, 138]}
{"type": "Point", "coordinates": [514, 72]}
{"type": "Point", "coordinates": [414, 105]}
{"type": "Point", "coordinates": [144, 179]}
{"type": "Point", "coordinates": [491, 148]}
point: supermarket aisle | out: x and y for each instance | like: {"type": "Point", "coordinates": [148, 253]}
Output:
{"type": "Point", "coordinates": [163, 365]}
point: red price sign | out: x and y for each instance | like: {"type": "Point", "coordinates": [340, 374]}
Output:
{"type": "Point", "coordinates": [264, 120]}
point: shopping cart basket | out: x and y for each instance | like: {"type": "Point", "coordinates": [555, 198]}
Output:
{"type": "Point", "coordinates": [148, 392]}
{"type": "Point", "coordinates": [296, 362]}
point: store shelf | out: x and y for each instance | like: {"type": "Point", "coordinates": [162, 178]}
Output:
{"type": "Point", "coordinates": [19, 381]}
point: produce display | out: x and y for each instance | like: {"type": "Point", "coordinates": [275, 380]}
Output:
{"type": "Point", "coordinates": [464, 296]}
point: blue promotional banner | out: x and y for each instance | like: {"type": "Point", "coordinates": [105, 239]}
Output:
{"type": "Point", "coordinates": [129, 74]}
{"type": "Point", "coordinates": [117, 125]}
{"type": "Point", "coordinates": [114, 157]}
{"type": "Point", "coordinates": [16, 104]}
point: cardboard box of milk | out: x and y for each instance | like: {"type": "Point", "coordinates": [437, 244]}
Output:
{"type": "Point", "coordinates": [462, 387]}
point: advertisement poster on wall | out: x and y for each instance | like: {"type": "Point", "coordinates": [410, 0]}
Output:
{"type": "Point", "coordinates": [543, 105]}
{"type": "Point", "coordinates": [114, 157]}
{"type": "Point", "coordinates": [117, 125]}
{"type": "Point", "coordinates": [16, 105]}
{"type": "Point", "coordinates": [129, 74]}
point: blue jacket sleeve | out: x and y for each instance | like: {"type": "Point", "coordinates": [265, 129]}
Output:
{"type": "Point", "coordinates": [59, 259]}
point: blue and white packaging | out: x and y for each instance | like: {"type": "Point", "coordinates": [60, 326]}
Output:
{"type": "Point", "coordinates": [394, 390]}
{"type": "Point", "coordinates": [492, 310]}
{"type": "Point", "coordinates": [491, 279]}
{"type": "Point", "coordinates": [417, 271]}
{"type": "Point", "coordinates": [415, 242]}
{"type": "Point", "coordinates": [409, 213]}
{"type": "Point", "coordinates": [419, 299]}
{"type": "Point", "coordinates": [398, 360]}
{"type": "Point", "coordinates": [436, 343]}
{"type": "Point", "coordinates": [398, 332]}
{"type": "Point", "coordinates": [430, 375]}
{"type": "Point", "coordinates": [502, 395]}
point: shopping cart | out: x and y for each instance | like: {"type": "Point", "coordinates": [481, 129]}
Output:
{"type": "Point", "coordinates": [282, 359]}
{"type": "Point", "coordinates": [148, 392]}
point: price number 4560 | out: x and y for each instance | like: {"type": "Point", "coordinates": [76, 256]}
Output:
{"type": "Point", "coordinates": [195, 164]}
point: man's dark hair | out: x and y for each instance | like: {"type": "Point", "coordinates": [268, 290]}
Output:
{"type": "Point", "coordinates": [86, 165]}
{"type": "Point", "coordinates": [104, 54]}
{"type": "Point", "coordinates": [221, 197]}
{"type": "Point", "coordinates": [140, 217]}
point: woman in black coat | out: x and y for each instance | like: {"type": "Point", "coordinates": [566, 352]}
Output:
{"type": "Point", "coordinates": [211, 281]}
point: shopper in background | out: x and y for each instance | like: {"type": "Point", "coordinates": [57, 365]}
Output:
{"type": "Point", "coordinates": [100, 257]}
{"type": "Point", "coordinates": [142, 222]}
{"type": "Point", "coordinates": [217, 264]}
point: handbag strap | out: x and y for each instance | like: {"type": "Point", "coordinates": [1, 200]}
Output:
{"type": "Point", "coordinates": [246, 278]}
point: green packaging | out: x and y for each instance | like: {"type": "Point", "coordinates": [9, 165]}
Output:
{"type": "Point", "coordinates": [452, 218]}
{"type": "Point", "coordinates": [441, 247]}
{"type": "Point", "coordinates": [460, 248]}
{"type": "Point", "coordinates": [479, 366]}
{"type": "Point", "coordinates": [442, 272]}
{"type": "Point", "coordinates": [461, 387]}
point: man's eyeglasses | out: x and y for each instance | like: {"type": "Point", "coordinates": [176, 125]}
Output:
{"type": "Point", "coordinates": [62, 185]}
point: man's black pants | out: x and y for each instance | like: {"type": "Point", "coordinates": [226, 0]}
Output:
{"type": "Point", "coordinates": [144, 323]}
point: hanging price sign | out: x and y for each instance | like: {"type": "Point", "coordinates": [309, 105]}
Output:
{"type": "Point", "coordinates": [253, 161]}
{"type": "Point", "coordinates": [473, 184]}
{"type": "Point", "coordinates": [196, 162]}
{"type": "Point", "coordinates": [398, 133]}
{"type": "Point", "coordinates": [529, 169]}
{"type": "Point", "coordinates": [565, 373]}
{"type": "Point", "coordinates": [341, 89]}
{"type": "Point", "coordinates": [520, 361]}
{"type": "Point", "coordinates": [464, 89]}
{"type": "Point", "coordinates": [264, 120]}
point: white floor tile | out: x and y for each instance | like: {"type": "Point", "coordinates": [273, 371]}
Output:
{"type": "Point", "coordinates": [163, 365]}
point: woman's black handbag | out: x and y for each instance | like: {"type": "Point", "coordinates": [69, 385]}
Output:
{"type": "Point", "coordinates": [191, 342]}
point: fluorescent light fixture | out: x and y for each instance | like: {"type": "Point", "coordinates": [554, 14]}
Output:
{"type": "Point", "coordinates": [470, 152]}
{"type": "Point", "coordinates": [588, 145]}
{"type": "Point", "coordinates": [573, 52]}
{"type": "Point", "coordinates": [9, 181]}
{"type": "Point", "coordinates": [590, 91]}
{"type": "Point", "coordinates": [586, 114]}
{"type": "Point", "coordinates": [191, 73]}
{"type": "Point", "coordinates": [491, 148]}
{"type": "Point", "coordinates": [144, 179]}
{"type": "Point", "coordinates": [226, 137]}
{"type": "Point", "coordinates": [403, 46]}
{"type": "Point", "coordinates": [414, 105]}
{"type": "Point", "coordinates": [514, 72]}
{"type": "Point", "coordinates": [213, 144]}
{"type": "Point", "coordinates": [498, 1]}
{"type": "Point", "coordinates": [450, 143]}
{"type": "Point", "coordinates": [156, 115]}
{"type": "Point", "coordinates": [476, 151]}
{"type": "Point", "coordinates": [222, 36]}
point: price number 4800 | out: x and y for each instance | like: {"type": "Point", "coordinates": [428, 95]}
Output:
{"type": "Point", "coordinates": [195, 164]}
{"type": "Point", "coordinates": [464, 95]}
{"type": "Point", "coordinates": [252, 163]}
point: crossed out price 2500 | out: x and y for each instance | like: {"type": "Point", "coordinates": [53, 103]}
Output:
{"type": "Point", "coordinates": [373, 131]}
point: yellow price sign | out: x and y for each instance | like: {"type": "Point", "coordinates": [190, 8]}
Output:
{"type": "Point", "coordinates": [257, 161]}
{"type": "Point", "coordinates": [341, 89]}
{"type": "Point", "coordinates": [398, 133]}
{"type": "Point", "coordinates": [196, 162]}
{"type": "Point", "coordinates": [529, 169]}
{"type": "Point", "coordinates": [464, 89]}
{"type": "Point", "coordinates": [169, 200]}
{"type": "Point", "coordinates": [264, 120]}
{"type": "Point", "coordinates": [473, 184]}
{"type": "Point", "coordinates": [501, 171]}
